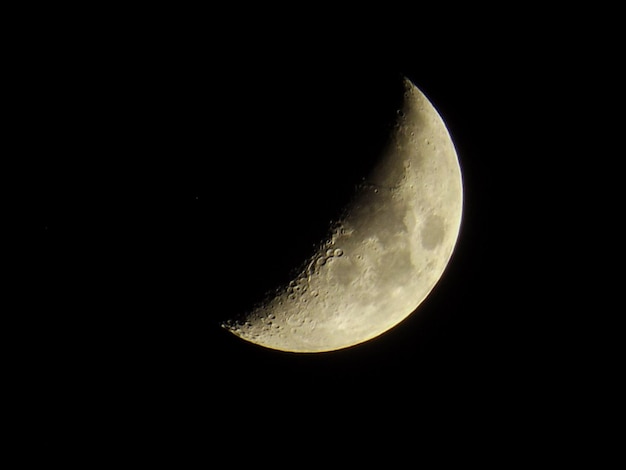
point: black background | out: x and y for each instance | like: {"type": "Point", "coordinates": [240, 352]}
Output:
{"type": "Point", "coordinates": [173, 178]}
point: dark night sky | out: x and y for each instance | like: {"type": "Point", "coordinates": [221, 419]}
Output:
{"type": "Point", "coordinates": [170, 189]}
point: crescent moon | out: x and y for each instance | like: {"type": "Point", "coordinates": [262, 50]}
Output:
{"type": "Point", "coordinates": [383, 257]}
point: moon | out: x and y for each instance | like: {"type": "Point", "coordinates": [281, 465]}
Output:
{"type": "Point", "coordinates": [383, 256]}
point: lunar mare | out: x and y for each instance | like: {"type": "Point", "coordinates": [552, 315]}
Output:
{"type": "Point", "coordinates": [386, 253]}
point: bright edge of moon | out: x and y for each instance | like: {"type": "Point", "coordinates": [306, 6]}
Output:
{"type": "Point", "coordinates": [383, 257]}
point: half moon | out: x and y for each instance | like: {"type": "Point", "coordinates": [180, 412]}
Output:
{"type": "Point", "coordinates": [383, 256]}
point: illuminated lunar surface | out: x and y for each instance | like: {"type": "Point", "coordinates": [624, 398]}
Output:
{"type": "Point", "coordinates": [383, 257]}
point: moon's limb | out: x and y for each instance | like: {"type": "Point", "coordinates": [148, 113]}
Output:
{"type": "Point", "coordinates": [384, 256]}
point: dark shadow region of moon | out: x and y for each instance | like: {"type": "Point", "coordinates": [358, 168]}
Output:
{"type": "Point", "coordinates": [432, 232]}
